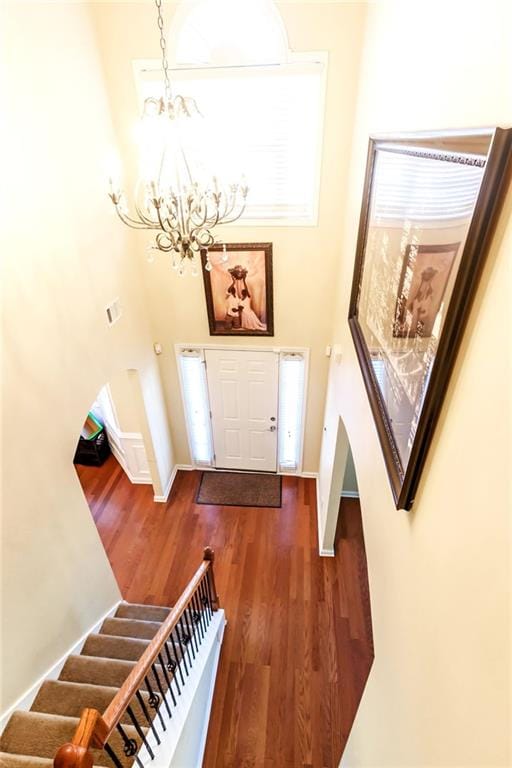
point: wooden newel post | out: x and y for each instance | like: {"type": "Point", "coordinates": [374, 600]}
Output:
{"type": "Point", "coordinates": [210, 556]}
{"type": "Point", "coordinates": [91, 731]}
{"type": "Point", "coordinates": [73, 756]}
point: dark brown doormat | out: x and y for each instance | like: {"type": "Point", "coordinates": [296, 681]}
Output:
{"type": "Point", "coordinates": [239, 489]}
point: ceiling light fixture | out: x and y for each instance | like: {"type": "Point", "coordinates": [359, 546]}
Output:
{"type": "Point", "coordinates": [174, 195]}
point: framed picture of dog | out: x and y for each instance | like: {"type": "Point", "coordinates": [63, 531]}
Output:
{"type": "Point", "coordinates": [238, 287]}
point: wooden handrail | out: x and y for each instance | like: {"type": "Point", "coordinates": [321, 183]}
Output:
{"type": "Point", "coordinates": [131, 685]}
{"type": "Point", "coordinates": [95, 729]}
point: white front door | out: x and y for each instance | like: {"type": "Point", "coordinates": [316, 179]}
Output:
{"type": "Point", "coordinates": [243, 399]}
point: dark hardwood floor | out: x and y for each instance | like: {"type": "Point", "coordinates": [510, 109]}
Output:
{"type": "Point", "coordinates": [297, 649]}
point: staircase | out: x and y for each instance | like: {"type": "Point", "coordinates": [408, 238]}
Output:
{"type": "Point", "coordinates": [110, 705]}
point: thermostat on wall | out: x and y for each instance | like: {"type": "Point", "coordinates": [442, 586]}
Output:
{"type": "Point", "coordinates": [114, 311]}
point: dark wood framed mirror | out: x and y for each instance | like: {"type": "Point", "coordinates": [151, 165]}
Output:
{"type": "Point", "coordinates": [430, 203]}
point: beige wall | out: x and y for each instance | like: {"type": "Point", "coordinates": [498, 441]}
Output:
{"type": "Point", "coordinates": [304, 257]}
{"type": "Point", "coordinates": [64, 258]}
{"type": "Point", "coordinates": [439, 690]}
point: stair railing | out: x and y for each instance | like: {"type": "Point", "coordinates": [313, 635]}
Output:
{"type": "Point", "coordinates": [162, 669]}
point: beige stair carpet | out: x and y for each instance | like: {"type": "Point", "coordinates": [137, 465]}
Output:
{"type": "Point", "coordinates": [89, 680]}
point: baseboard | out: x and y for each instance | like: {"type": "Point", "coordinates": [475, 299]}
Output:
{"type": "Point", "coordinates": [327, 553]}
{"type": "Point", "coordinates": [25, 700]}
{"type": "Point", "coordinates": [350, 494]}
{"type": "Point", "coordinates": [312, 475]}
{"type": "Point", "coordinates": [167, 491]}
{"type": "Point", "coordinates": [163, 498]}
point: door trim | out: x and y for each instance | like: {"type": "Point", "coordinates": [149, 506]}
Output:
{"type": "Point", "coordinates": [200, 347]}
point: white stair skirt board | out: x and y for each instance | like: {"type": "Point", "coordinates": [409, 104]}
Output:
{"type": "Point", "coordinates": [168, 487]}
{"type": "Point", "coordinates": [174, 741]}
{"type": "Point", "coordinates": [25, 701]}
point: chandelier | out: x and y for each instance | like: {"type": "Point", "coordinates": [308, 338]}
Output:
{"type": "Point", "coordinates": [175, 196]}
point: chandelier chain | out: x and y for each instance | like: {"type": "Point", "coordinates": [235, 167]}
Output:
{"type": "Point", "coordinates": [163, 46]}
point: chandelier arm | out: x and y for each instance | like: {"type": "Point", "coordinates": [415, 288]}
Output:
{"type": "Point", "coordinates": [166, 225]}
{"type": "Point", "coordinates": [197, 223]}
{"type": "Point", "coordinates": [162, 246]}
{"type": "Point", "coordinates": [133, 223]}
{"type": "Point", "coordinates": [150, 223]}
{"type": "Point", "coordinates": [229, 209]}
{"type": "Point", "coordinates": [203, 242]}
{"type": "Point", "coordinates": [235, 218]}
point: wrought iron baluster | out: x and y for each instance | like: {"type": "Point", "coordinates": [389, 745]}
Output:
{"type": "Point", "coordinates": [130, 745]}
{"type": "Point", "coordinates": [110, 752]}
{"type": "Point", "coordinates": [172, 667]}
{"type": "Point", "coordinates": [139, 730]}
{"type": "Point", "coordinates": [140, 699]}
{"type": "Point", "coordinates": [154, 702]}
{"type": "Point", "coordinates": [186, 639]}
{"type": "Point", "coordinates": [160, 688]}
{"type": "Point", "coordinates": [182, 650]}
{"type": "Point", "coordinates": [176, 657]}
{"type": "Point", "coordinates": [209, 590]}
{"type": "Point", "coordinates": [204, 600]}
{"type": "Point", "coordinates": [192, 629]}
{"type": "Point", "coordinates": [198, 612]}
{"type": "Point", "coordinates": [167, 678]}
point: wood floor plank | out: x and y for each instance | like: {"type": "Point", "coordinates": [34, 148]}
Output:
{"type": "Point", "coordinates": [298, 645]}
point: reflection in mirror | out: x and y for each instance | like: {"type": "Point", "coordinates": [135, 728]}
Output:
{"type": "Point", "coordinates": [430, 204]}
{"type": "Point", "coordinates": [420, 211]}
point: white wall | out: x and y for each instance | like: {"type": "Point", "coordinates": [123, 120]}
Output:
{"type": "Point", "coordinates": [439, 690]}
{"type": "Point", "coordinates": [304, 257]}
{"type": "Point", "coordinates": [64, 258]}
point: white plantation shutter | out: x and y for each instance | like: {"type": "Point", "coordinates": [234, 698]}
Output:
{"type": "Point", "coordinates": [291, 408]}
{"type": "Point", "coordinates": [421, 188]}
{"type": "Point", "coordinates": [195, 396]}
{"type": "Point", "coordinates": [265, 122]}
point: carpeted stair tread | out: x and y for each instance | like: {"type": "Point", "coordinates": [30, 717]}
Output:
{"type": "Point", "coordinates": [57, 697]}
{"type": "Point", "coordinates": [8, 760]}
{"type": "Point", "coordinates": [113, 647]}
{"type": "Point", "coordinates": [145, 630]}
{"type": "Point", "coordinates": [142, 612]}
{"type": "Point", "coordinates": [98, 671]}
{"type": "Point", "coordinates": [41, 735]}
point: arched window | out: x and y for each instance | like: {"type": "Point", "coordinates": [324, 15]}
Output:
{"type": "Point", "coordinates": [227, 32]}
{"type": "Point", "coordinates": [263, 103]}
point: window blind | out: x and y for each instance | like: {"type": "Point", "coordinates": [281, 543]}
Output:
{"type": "Point", "coordinates": [195, 397]}
{"type": "Point", "coordinates": [291, 405]}
{"type": "Point", "coordinates": [265, 123]}
{"type": "Point", "coordinates": [421, 188]}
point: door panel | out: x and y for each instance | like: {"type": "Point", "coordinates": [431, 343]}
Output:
{"type": "Point", "coordinates": [243, 398]}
